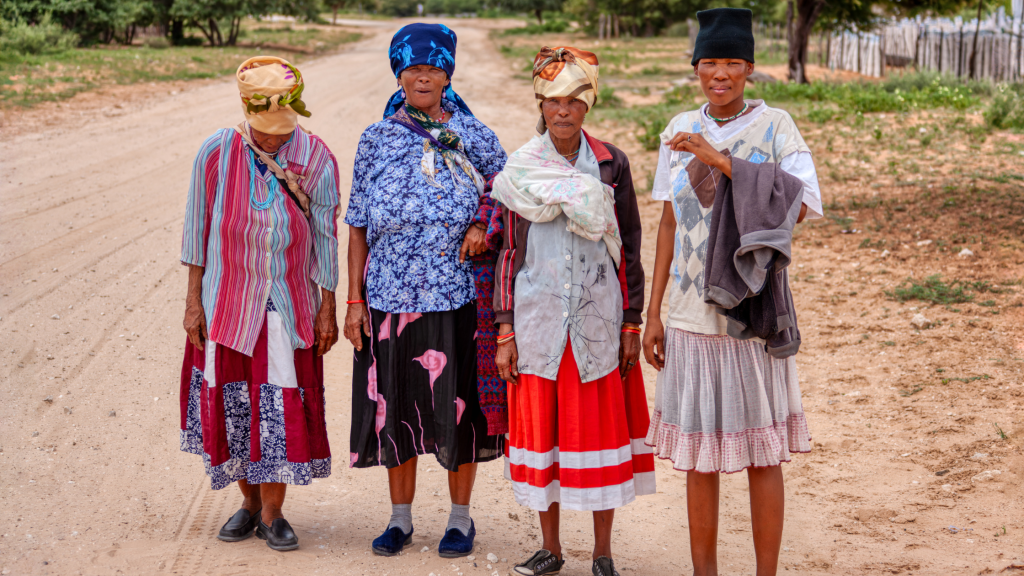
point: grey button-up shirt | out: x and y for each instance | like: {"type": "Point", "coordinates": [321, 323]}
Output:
{"type": "Point", "coordinates": [567, 289]}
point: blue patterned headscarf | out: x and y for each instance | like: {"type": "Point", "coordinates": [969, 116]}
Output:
{"type": "Point", "coordinates": [430, 44]}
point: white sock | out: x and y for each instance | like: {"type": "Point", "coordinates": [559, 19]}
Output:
{"type": "Point", "coordinates": [401, 516]}
{"type": "Point", "coordinates": [459, 518]}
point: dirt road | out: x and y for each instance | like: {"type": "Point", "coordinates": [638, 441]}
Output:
{"type": "Point", "coordinates": [91, 478]}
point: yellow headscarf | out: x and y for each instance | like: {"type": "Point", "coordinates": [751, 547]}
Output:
{"type": "Point", "coordinates": [271, 91]}
{"type": "Point", "coordinates": [564, 71]}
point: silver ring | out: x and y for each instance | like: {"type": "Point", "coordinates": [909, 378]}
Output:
{"type": "Point", "coordinates": [631, 363]}
{"type": "Point", "coordinates": [687, 138]}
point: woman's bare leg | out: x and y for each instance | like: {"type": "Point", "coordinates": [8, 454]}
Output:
{"type": "Point", "coordinates": [549, 530]}
{"type": "Point", "coordinates": [702, 512]}
{"type": "Point", "coordinates": [402, 482]}
{"type": "Point", "coordinates": [251, 497]}
{"type": "Point", "coordinates": [272, 495]}
{"type": "Point", "coordinates": [460, 484]}
{"type": "Point", "coordinates": [767, 514]}
{"type": "Point", "coordinates": [603, 533]}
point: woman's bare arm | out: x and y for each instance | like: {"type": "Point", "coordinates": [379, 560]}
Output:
{"type": "Point", "coordinates": [357, 316]}
{"type": "Point", "coordinates": [654, 335]}
{"type": "Point", "coordinates": [195, 317]}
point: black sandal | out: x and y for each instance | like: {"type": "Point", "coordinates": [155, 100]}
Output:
{"type": "Point", "coordinates": [279, 535]}
{"type": "Point", "coordinates": [240, 526]}
{"type": "Point", "coordinates": [604, 566]}
{"type": "Point", "coordinates": [542, 563]}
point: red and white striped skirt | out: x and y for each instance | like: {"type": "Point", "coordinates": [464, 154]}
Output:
{"type": "Point", "coordinates": [578, 444]}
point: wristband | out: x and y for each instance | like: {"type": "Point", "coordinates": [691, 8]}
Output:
{"type": "Point", "coordinates": [355, 301]}
{"type": "Point", "coordinates": [631, 330]}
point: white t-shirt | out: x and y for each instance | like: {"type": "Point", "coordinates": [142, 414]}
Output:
{"type": "Point", "coordinates": [799, 164]}
{"type": "Point", "coordinates": [764, 135]}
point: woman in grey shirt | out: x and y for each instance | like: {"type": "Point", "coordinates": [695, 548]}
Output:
{"type": "Point", "coordinates": [569, 289]}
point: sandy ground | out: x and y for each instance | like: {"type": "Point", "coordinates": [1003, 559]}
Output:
{"type": "Point", "coordinates": [93, 482]}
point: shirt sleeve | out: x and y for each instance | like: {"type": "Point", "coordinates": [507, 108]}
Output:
{"type": "Point", "coordinates": [489, 214]}
{"type": "Point", "coordinates": [801, 165]}
{"type": "Point", "coordinates": [631, 270]}
{"type": "Point", "coordinates": [201, 191]}
{"type": "Point", "coordinates": [324, 199]}
{"type": "Point", "coordinates": [356, 214]}
{"type": "Point", "coordinates": [662, 180]}
{"type": "Point", "coordinates": [504, 271]}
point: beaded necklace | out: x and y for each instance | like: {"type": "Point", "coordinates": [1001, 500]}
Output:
{"type": "Point", "coordinates": [741, 113]}
{"type": "Point", "coordinates": [271, 186]}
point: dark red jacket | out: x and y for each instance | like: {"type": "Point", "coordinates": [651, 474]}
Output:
{"type": "Point", "coordinates": [615, 173]}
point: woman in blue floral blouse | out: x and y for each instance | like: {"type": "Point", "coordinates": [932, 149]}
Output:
{"type": "Point", "coordinates": [420, 222]}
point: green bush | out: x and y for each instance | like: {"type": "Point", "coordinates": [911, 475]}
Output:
{"type": "Point", "coordinates": [46, 37]}
{"type": "Point", "coordinates": [606, 98]}
{"type": "Point", "coordinates": [897, 94]}
{"type": "Point", "coordinates": [677, 30]}
{"type": "Point", "coordinates": [937, 291]}
{"type": "Point", "coordinates": [652, 128]}
{"type": "Point", "coordinates": [1006, 110]}
{"type": "Point", "coordinates": [399, 8]}
{"type": "Point", "coordinates": [550, 26]}
{"type": "Point", "coordinates": [156, 42]}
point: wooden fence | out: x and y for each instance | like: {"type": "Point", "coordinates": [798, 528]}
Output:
{"type": "Point", "coordinates": [939, 44]}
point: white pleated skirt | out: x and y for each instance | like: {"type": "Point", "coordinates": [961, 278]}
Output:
{"type": "Point", "coordinates": [724, 404]}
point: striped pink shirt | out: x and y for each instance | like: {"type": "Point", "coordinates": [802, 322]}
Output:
{"type": "Point", "coordinates": [252, 255]}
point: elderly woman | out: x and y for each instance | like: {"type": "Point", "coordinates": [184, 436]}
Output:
{"type": "Point", "coordinates": [261, 244]}
{"type": "Point", "coordinates": [418, 216]}
{"type": "Point", "coordinates": [568, 298]}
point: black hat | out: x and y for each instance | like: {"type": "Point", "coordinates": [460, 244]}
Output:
{"type": "Point", "coordinates": [724, 33]}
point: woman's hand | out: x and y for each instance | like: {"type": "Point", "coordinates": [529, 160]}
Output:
{"type": "Point", "coordinates": [654, 342]}
{"type": "Point", "coordinates": [475, 242]}
{"type": "Point", "coordinates": [325, 328]}
{"type": "Point", "coordinates": [357, 317]}
{"type": "Point", "coordinates": [507, 357]}
{"type": "Point", "coordinates": [695, 144]}
{"type": "Point", "coordinates": [195, 322]}
{"type": "Point", "coordinates": [629, 350]}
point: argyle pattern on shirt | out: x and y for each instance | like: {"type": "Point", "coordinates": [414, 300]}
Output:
{"type": "Point", "coordinates": [692, 237]}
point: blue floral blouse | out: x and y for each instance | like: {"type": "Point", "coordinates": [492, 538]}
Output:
{"type": "Point", "coordinates": [415, 230]}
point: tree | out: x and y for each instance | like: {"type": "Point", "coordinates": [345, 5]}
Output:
{"type": "Point", "coordinates": [828, 15]}
{"type": "Point", "coordinates": [535, 7]}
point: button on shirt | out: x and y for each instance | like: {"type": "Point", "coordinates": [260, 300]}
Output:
{"type": "Point", "coordinates": [415, 230]}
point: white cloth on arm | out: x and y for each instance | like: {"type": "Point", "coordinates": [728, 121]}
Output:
{"type": "Point", "coordinates": [799, 164]}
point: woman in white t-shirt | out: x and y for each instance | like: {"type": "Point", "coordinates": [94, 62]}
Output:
{"type": "Point", "coordinates": [722, 404]}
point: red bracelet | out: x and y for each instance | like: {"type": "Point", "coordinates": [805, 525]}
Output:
{"type": "Point", "coordinates": [631, 330]}
{"type": "Point", "coordinates": [355, 302]}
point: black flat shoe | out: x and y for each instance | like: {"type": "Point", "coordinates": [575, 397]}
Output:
{"type": "Point", "coordinates": [240, 526]}
{"type": "Point", "coordinates": [279, 535]}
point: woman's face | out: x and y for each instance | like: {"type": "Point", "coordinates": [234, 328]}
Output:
{"type": "Point", "coordinates": [564, 116]}
{"type": "Point", "coordinates": [423, 85]}
{"type": "Point", "coordinates": [722, 79]}
{"type": "Point", "coordinates": [270, 143]}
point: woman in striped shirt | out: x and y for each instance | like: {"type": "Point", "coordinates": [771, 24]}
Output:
{"type": "Point", "coordinates": [261, 243]}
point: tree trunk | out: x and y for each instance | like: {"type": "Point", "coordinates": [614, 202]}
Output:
{"type": "Point", "coordinates": [805, 15]}
{"type": "Point", "coordinates": [236, 25]}
{"type": "Point", "coordinates": [974, 49]}
{"type": "Point", "coordinates": [540, 16]}
{"type": "Point", "coordinates": [215, 33]}
{"type": "Point", "coordinates": [334, 20]}
{"type": "Point", "coordinates": [207, 34]}
{"type": "Point", "coordinates": [177, 31]}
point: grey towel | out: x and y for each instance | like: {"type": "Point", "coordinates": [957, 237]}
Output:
{"type": "Point", "coordinates": [749, 248]}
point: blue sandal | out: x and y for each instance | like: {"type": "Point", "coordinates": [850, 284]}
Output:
{"type": "Point", "coordinates": [455, 544]}
{"type": "Point", "coordinates": [392, 541]}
